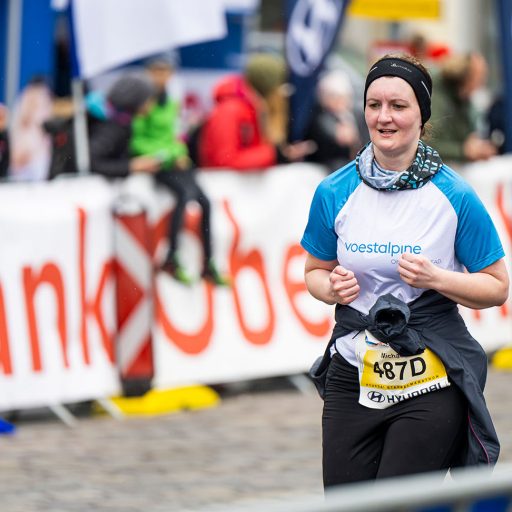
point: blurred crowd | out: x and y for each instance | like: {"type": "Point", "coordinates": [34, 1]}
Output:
{"type": "Point", "coordinates": [136, 126]}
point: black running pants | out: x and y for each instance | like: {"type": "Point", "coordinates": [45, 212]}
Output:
{"type": "Point", "coordinates": [418, 435]}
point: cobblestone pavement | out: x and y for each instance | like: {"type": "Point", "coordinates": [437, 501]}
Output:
{"type": "Point", "coordinates": [253, 446]}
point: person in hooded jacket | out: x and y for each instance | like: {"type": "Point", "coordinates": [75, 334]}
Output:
{"type": "Point", "coordinates": [235, 134]}
{"type": "Point", "coordinates": [109, 140]}
{"type": "Point", "coordinates": [454, 119]}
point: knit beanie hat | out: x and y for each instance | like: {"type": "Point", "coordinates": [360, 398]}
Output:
{"type": "Point", "coordinates": [130, 92]}
{"type": "Point", "coordinates": [265, 72]}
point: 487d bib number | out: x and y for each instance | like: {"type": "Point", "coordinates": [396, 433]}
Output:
{"type": "Point", "coordinates": [407, 369]}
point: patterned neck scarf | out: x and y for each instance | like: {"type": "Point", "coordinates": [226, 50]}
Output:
{"type": "Point", "coordinates": [423, 169]}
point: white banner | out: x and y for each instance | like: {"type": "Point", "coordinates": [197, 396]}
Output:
{"type": "Point", "coordinates": [492, 181]}
{"type": "Point", "coordinates": [57, 300]}
{"type": "Point", "coordinates": [113, 32]}
{"type": "Point", "coordinates": [57, 323]}
{"type": "Point", "coordinates": [267, 324]}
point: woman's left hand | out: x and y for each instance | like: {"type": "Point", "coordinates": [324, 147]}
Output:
{"type": "Point", "coordinates": [418, 271]}
{"type": "Point", "coordinates": [477, 290]}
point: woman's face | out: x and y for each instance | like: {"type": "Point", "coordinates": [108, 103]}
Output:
{"type": "Point", "coordinates": [393, 116]}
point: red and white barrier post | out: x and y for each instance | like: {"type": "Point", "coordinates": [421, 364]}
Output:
{"type": "Point", "coordinates": [134, 296]}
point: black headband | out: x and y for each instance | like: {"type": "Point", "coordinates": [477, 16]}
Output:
{"type": "Point", "coordinates": [420, 82]}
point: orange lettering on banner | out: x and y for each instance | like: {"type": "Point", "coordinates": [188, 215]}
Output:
{"type": "Point", "coordinates": [500, 204]}
{"type": "Point", "coordinates": [94, 307]}
{"type": "Point", "coordinates": [252, 259]}
{"type": "Point", "coordinates": [50, 274]}
{"type": "Point", "coordinates": [196, 342]}
{"type": "Point", "coordinates": [294, 288]}
{"type": "Point", "coordinates": [507, 221]}
{"type": "Point", "coordinates": [88, 306]}
{"type": "Point", "coordinates": [476, 314]}
{"type": "Point", "coordinates": [5, 353]}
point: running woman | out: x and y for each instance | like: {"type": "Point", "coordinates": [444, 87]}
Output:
{"type": "Point", "coordinates": [396, 240]}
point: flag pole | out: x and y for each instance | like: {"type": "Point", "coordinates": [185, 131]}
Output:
{"type": "Point", "coordinates": [13, 51]}
{"type": "Point", "coordinates": [80, 131]}
{"type": "Point", "coordinates": [80, 128]}
{"type": "Point", "coordinates": [504, 13]}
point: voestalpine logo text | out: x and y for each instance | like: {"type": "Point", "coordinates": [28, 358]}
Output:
{"type": "Point", "coordinates": [382, 248]}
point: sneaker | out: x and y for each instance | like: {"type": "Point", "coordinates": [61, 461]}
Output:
{"type": "Point", "coordinates": [172, 267]}
{"type": "Point", "coordinates": [211, 274]}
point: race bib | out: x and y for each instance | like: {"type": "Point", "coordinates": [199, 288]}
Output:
{"type": "Point", "coordinates": [386, 378]}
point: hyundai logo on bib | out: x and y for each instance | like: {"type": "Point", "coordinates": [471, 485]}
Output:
{"type": "Point", "coordinates": [375, 396]}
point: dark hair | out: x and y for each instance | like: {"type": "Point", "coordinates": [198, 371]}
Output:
{"type": "Point", "coordinates": [407, 57]}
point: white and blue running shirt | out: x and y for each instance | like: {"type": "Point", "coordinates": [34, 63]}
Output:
{"type": "Point", "coordinates": [368, 230]}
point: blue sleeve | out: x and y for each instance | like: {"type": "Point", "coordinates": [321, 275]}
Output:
{"type": "Point", "coordinates": [477, 244]}
{"type": "Point", "coordinates": [319, 238]}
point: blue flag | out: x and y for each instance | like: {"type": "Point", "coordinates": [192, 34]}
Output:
{"type": "Point", "coordinates": [312, 28]}
{"type": "Point", "coordinates": [505, 21]}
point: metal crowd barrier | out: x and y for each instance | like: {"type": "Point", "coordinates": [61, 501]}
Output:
{"type": "Point", "coordinates": [467, 490]}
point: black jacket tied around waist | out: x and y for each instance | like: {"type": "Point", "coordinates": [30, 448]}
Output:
{"type": "Point", "coordinates": [432, 321]}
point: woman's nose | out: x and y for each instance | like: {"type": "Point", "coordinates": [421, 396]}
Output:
{"type": "Point", "coordinates": [384, 114]}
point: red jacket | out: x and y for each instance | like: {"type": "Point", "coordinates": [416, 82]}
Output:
{"type": "Point", "coordinates": [231, 136]}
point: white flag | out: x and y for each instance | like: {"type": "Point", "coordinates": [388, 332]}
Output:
{"type": "Point", "coordinates": [109, 33]}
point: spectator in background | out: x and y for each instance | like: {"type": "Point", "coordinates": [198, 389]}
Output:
{"type": "Point", "coordinates": [60, 129]}
{"type": "Point", "coordinates": [30, 145]}
{"type": "Point", "coordinates": [236, 132]}
{"type": "Point", "coordinates": [4, 142]}
{"type": "Point", "coordinates": [266, 74]}
{"type": "Point", "coordinates": [110, 137]}
{"type": "Point", "coordinates": [334, 128]}
{"type": "Point", "coordinates": [155, 136]}
{"type": "Point", "coordinates": [454, 123]}
{"type": "Point", "coordinates": [427, 52]}
{"type": "Point", "coordinates": [496, 130]}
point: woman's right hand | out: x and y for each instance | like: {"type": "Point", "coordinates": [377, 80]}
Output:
{"type": "Point", "coordinates": [343, 284]}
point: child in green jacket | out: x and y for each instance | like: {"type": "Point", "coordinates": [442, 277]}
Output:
{"type": "Point", "coordinates": [155, 134]}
